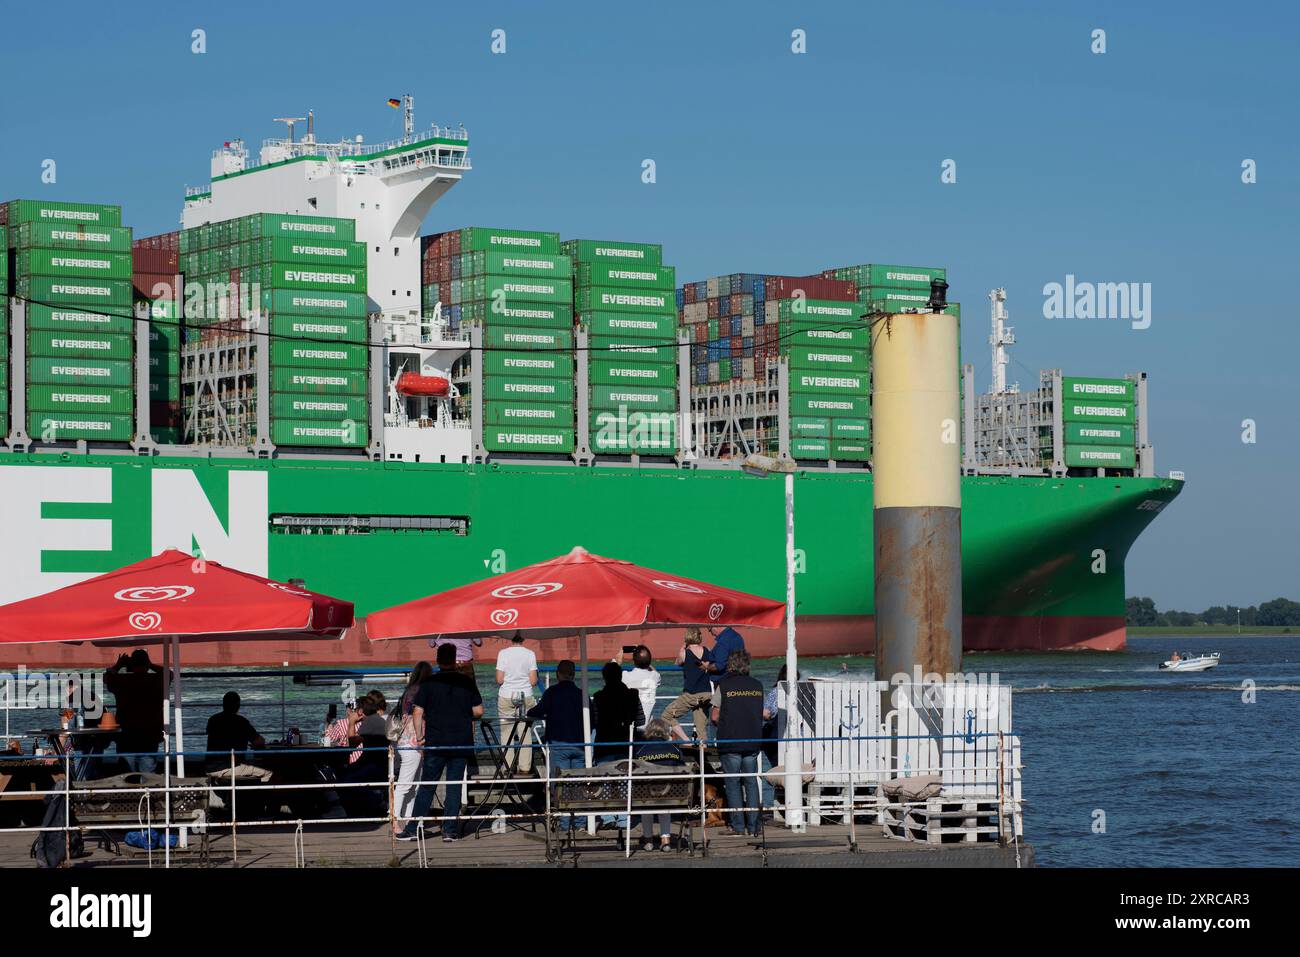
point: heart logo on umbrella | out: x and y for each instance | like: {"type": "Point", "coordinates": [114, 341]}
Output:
{"type": "Point", "coordinates": [504, 617]}
{"type": "Point", "coordinates": [155, 593]}
{"type": "Point", "coordinates": [145, 620]}
{"type": "Point", "coordinates": [715, 611]}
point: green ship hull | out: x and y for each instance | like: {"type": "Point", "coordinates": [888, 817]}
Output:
{"type": "Point", "coordinates": [1043, 558]}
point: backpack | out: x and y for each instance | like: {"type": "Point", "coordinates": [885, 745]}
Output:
{"type": "Point", "coordinates": [50, 847]}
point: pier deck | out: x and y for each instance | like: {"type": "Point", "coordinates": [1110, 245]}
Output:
{"type": "Point", "coordinates": [345, 845]}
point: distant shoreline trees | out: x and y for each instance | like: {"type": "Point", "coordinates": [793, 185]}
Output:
{"type": "Point", "coordinates": [1275, 613]}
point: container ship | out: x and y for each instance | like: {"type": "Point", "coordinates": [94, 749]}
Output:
{"type": "Point", "coordinates": [299, 383]}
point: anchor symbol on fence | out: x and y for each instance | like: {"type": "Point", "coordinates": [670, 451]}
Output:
{"type": "Point", "coordinates": [969, 737]}
{"type": "Point", "coordinates": [851, 725]}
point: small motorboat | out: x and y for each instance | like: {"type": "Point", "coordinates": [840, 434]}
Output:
{"type": "Point", "coordinates": [1194, 663]}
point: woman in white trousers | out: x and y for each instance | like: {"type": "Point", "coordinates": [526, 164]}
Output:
{"type": "Point", "coordinates": [409, 757]}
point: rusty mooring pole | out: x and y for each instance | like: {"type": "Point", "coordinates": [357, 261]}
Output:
{"type": "Point", "coordinates": [915, 417]}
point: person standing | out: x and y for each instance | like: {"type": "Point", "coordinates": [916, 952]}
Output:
{"type": "Point", "coordinates": [561, 709]}
{"type": "Point", "coordinates": [725, 643]}
{"type": "Point", "coordinates": [137, 686]}
{"type": "Point", "coordinates": [516, 679]}
{"type": "Point", "coordinates": [408, 747]}
{"type": "Point", "coordinates": [446, 707]}
{"type": "Point", "coordinates": [644, 680]}
{"type": "Point", "coordinates": [615, 711]}
{"type": "Point", "coordinates": [464, 653]}
{"type": "Point", "coordinates": [738, 713]}
{"type": "Point", "coordinates": [696, 692]}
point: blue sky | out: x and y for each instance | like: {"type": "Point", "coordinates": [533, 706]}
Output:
{"type": "Point", "coordinates": [1117, 167]}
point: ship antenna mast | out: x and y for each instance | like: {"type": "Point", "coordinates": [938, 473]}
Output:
{"type": "Point", "coordinates": [289, 121]}
{"type": "Point", "coordinates": [408, 116]}
{"type": "Point", "coordinates": [1002, 336]}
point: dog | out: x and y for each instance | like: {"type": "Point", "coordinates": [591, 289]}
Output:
{"type": "Point", "coordinates": [712, 802]}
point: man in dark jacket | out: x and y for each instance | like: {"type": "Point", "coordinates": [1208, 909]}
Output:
{"type": "Point", "coordinates": [738, 713]}
{"type": "Point", "coordinates": [137, 686]}
{"type": "Point", "coordinates": [444, 712]}
{"type": "Point", "coordinates": [615, 711]}
{"type": "Point", "coordinates": [561, 709]}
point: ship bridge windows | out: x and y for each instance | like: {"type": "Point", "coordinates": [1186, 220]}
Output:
{"type": "Point", "coordinates": [354, 524]}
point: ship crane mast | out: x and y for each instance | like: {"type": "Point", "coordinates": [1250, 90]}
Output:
{"type": "Point", "coordinates": [1002, 336]}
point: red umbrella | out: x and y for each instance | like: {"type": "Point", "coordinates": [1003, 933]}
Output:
{"type": "Point", "coordinates": [174, 598]}
{"type": "Point", "coordinates": [577, 593]}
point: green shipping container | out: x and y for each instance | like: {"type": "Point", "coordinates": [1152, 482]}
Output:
{"type": "Point", "coordinates": [645, 433]}
{"type": "Point", "coordinates": [45, 211]}
{"type": "Point", "coordinates": [74, 398]}
{"type": "Point", "coordinates": [843, 383]}
{"type": "Point", "coordinates": [319, 355]}
{"type": "Point", "coordinates": [1100, 456]}
{"type": "Point", "coordinates": [1106, 390]}
{"type": "Point", "coordinates": [803, 427]}
{"type": "Point", "coordinates": [829, 358]}
{"type": "Point", "coordinates": [859, 429]}
{"type": "Point", "coordinates": [50, 235]}
{"type": "Point", "coordinates": [165, 389]}
{"type": "Point", "coordinates": [319, 278]}
{"type": "Point", "coordinates": [73, 264]}
{"type": "Point", "coordinates": [100, 372]}
{"type": "Point", "coordinates": [529, 264]}
{"type": "Point", "coordinates": [534, 315]}
{"type": "Point", "coordinates": [351, 331]}
{"type": "Point", "coordinates": [621, 372]}
{"type": "Point", "coordinates": [527, 438]}
{"type": "Point", "coordinates": [827, 313]}
{"type": "Point", "coordinates": [558, 364]}
{"type": "Point", "coordinates": [633, 398]}
{"type": "Point", "coordinates": [599, 250]}
{"type": "Point", "coordinates": [1087, 433]}
{"type": "Point", "coordinates": [305, 250]}
{"type": "Point", "coordinates": [335, 305]}
{"type": "Point", "coordinates": [638, 350]}
{"type": "Point", "coordinates": [475, 238]}
{"type": "Point", "coordinates": [850, 450]}
{"type": "Point", "coordinates": [827, 336]}
{"type": "Point", "coordinates": [71, 426]}
{"type": "Point", "coordinates": [78, 320]}
{"type": "Point", "coordinates": [318, 381]}
{"type": "Point", "coordinates": [79, 345]}
{"type": "Point", "coordinates": [1090, 410]}
{"type": "Point", "coordinates": [279, 225]}
{"type": "Point", "coordinates": [602, 299]}
{"type": "Point", "coordinates": [810, 448]}
{"type": "Point", "coordinates": [661, 327]}
{"type": "Point", "coordinates": [513, 389]}
{"type": "Point", "coordinates": [625, 276]}
{"type": "Point", "coordinates": [852, 406]}
{"type": "Point", "coordinates": [336, 408]}
{"type": "Point", "coordinates": [523, 338]}
{"type": "Point", "coordinates": [899, 277]}
{"type": "Point", "coordinates": [513, 291]}
{"type": "Point", "coordinates": [108, 295]}
{"type": "Point", "coordinates": [551, 414]}
{"type": "Point", "coordinates": [320, 433]}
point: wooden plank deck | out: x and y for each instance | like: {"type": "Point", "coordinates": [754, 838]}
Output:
{"type": "Point", "coordinates": [348, 845]}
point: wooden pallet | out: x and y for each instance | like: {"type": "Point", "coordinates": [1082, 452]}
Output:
{"type": "Point", "coordinates": [943, 820]}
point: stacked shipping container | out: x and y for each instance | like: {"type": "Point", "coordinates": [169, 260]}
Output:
{"type": "Point", "coordinates": [1099, 416]}
{"type": "Point", "coordinates": [158, 297]}
{"type": "Point", "coordinates": [623, 298]}
{"type": "Point", "coordinates": [518, 287]}
{"type": "Point", "coordinates": [301, 282]}
{"type": "Point", "coordinates": [72, 266]}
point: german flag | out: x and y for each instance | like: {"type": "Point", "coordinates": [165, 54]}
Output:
{"type": "Point", "coordinates": [394, 103]}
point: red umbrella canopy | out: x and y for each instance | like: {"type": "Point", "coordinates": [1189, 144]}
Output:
{"type": "Point", "coordinates": [576, 592]}
{"type": "Point", "coordinates": [174, 595]}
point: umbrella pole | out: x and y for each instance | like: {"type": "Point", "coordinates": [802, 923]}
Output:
{"type": "Point", "coordinates": [176, 692]}
{"type": "Point", "coordinates": [586, 717]}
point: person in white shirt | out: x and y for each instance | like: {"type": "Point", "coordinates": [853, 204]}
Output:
{"type": "Point", "coordinates": [644, 680]}
{"type": "Point", "coordinates": [516, 678]}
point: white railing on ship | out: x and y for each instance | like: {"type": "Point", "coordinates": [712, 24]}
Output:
{"type": "Point", "coordinates": [346, 149]}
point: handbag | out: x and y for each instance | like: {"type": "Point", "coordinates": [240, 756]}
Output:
{"type": "Point", "coordinates": [395, 724]}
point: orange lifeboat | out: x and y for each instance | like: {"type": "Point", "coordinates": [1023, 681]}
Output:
{"type": "Point", "coordinates": [414, 384]}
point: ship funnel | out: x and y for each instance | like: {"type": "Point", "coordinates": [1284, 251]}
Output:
{"type": "Point", "coordinates": [938, 295]}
